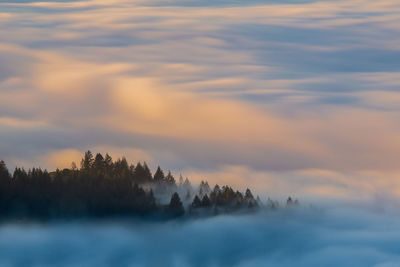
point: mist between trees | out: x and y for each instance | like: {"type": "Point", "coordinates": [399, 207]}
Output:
{"type": "Point", "coordinates": [102, 188]}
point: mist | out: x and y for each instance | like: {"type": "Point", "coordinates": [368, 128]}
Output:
{"type": "Point", "coordinates": [286, 98]}
{"type": "Point", "coordinates": [335, 235]}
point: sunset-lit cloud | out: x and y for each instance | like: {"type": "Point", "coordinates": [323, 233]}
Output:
{"type": "Point", "coordinates": [297, 96]}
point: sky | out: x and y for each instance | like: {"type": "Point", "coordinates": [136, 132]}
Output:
{"type": "Point", "coordinates": [287, 97]}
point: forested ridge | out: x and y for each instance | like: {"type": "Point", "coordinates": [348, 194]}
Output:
{"type": "Point", "coordinates": [102, 187]}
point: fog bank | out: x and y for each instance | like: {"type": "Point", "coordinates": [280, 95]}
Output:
{"type": "Point", "coordinates": [329, 236]}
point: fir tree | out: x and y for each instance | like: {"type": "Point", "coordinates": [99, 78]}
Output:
{"type": "Point", "coordinates": [159, 175]}
{"type": "Point", "coordinates": [175, 205]}
{"type": "Point", "coordinates": [196, 202]}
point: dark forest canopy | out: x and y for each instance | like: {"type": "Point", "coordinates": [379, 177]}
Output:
{"type": "Point", "coordinates": [102, 187]}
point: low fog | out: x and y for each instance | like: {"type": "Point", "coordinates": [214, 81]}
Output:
{"type": "Point", "coordinates": [335, 235]}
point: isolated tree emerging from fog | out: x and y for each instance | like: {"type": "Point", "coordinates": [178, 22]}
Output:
{"type": "Point", "coordinates": [291, 202]}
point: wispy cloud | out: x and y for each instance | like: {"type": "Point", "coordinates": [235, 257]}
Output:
{"type": "Point", "coordinates": [267, 86]}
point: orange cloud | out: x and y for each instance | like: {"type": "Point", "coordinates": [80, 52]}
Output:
{"type": "Point", "coordinates": [173, 85]}
{"type": "Point", "coordinates": [105, 95]}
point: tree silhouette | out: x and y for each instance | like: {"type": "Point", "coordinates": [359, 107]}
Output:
{"type": "Point", "coordinates": [170, 179]}
{"type": "Point", "coordinates": [175, 205]}
{"type": "Point", "coordinates": [142, 173]}
{"type": "Point", "coordinates": [103, 187]}
{"type": "Point", "coordinates": [196, 202]}
{"type": "Point", "coordinates": [159, 175]}
{"type": "Point", "coordinates": [248, 195]}
{"type": "Point", "coordinates": [205, 202]}
{"type": "Point", "coordinates": [87, 161]}
{"type": "Point", "coordinates": [4, 174]}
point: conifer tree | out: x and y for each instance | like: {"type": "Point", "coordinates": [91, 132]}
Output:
{"type": "Point", "coordinates": [175, 205]}
{"type": "Point", "coordinates": [196, 202]}
{"type": "Point", "coordinates": [4, 174]}
{"type": "Point", "coordinates": [170, 178]}
{"type": "Point", "coordinates": [159, 175]}
{"type": "Point", "coordinates": [248, 195]}
{"type": "Point", "coordinates": [87, 161]}
{"type": "Point", "coordinates": [147, 177]}
{"type": "Point", "coordinates": [205, 202]}
{"type": "Point", "coordinates": [180, 180]}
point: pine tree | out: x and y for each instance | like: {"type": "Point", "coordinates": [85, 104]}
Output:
{"type": "Point", "coordinates": [4, 187]}
{"type": "Point", "coordinates": [142, 173]}
{"type": "Point", "coordinates": [159, 175]}
{"type": "Point", "coordinates": [196, 202]}
{"type": "Point", "coordinates": [87, 161]}
{"type": "Point", "coordinates": [187, 185]}
{"type": "Point", "coordinates": [180, 180]}
{"type": "Point", "coordinates": [4, 174]}
{"type": "Point", "coordinates": [98, 164]}
{"type": "Point", "coordinates": [147, 177]}
{"type": "Point", "coordinates": [248, 195]}
{"type": "Point", "coordinates": [108, 162]}
{"type": "Point", "coordinates": [170, 178]}
{"type": "Point", "coordinates": [205, 202]}
{"type": "Point", "coordinates": [175, 205]}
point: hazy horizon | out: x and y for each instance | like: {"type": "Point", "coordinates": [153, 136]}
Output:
{"type": "Point", "coordinates": [287, 97]}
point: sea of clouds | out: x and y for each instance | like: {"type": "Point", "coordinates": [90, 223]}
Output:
{"type": "Point", "coordinates": [308, 90]}
{"type": "Point", "coordinates": [342, 235]}
{"type": "Point", "coordinates": [298, 97]}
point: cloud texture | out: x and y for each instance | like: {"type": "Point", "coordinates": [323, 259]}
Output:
{"type": "Point", "coordinates": [302, 95]}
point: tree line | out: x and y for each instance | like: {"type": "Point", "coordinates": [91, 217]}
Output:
{"type": "Point", "coordinates": [102, 187]}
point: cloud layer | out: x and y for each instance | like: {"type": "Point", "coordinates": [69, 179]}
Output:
{"type": "Point", "coordinates": [298, 94]}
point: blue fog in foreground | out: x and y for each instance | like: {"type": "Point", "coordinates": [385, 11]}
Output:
{"type": "Point", "coordinates": [306, 236]}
